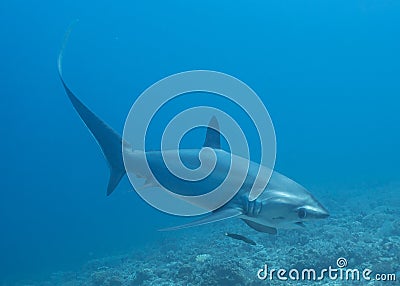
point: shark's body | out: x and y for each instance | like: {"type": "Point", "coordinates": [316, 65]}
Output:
{"type": "Point", "coordinates": [282, 204]}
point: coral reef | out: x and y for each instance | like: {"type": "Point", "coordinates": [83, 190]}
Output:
{"type": "Point", "coordinates": [364, 228]}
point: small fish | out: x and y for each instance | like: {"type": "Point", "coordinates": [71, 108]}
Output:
{"type": "Point", "coordinates": [240, 237]}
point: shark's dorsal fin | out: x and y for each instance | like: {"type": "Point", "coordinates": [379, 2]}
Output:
{"type": "Point", "coordinates": [213, 136]}
{"type": "Point", "coordinates": [260, 227]}
{"type": "Point", "coordinates": [214, 217]}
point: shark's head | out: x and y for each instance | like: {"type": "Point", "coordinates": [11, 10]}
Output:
{"type": "Point", "coordinates": [287, 204]}
{"type": "Point", "coordinates": [283, 209]}
{"type": "Point", "coordinates": [309, 209]}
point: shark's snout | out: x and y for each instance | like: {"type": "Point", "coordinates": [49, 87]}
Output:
{"type": "Point", "coordinates": [313, 211]}
{"type": "Point", "coordinates": [324, 214]}
{"type": "Point", "coordinates": [320, 212]}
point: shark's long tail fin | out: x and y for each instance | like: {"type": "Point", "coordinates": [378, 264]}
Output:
{"type": "Point", "coordinates": [109, 141]}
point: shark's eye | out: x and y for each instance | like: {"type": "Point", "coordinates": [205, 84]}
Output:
{"type": "Point", "coordinates": [302, 213]}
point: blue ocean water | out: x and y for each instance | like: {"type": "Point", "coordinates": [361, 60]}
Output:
{"type": "Point", "coordinates": [328, 72]}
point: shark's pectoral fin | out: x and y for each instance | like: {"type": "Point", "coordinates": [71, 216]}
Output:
{"type": "Point", "coordinates": [299, 223]}
{"type": "Point", "coordinates": [260, 227]}
{"type": "Point", "coordinates": [214, 217]}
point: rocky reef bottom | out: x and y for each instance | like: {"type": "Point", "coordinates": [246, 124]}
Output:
{"type": "Point", "coordinates": [364, 229]}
